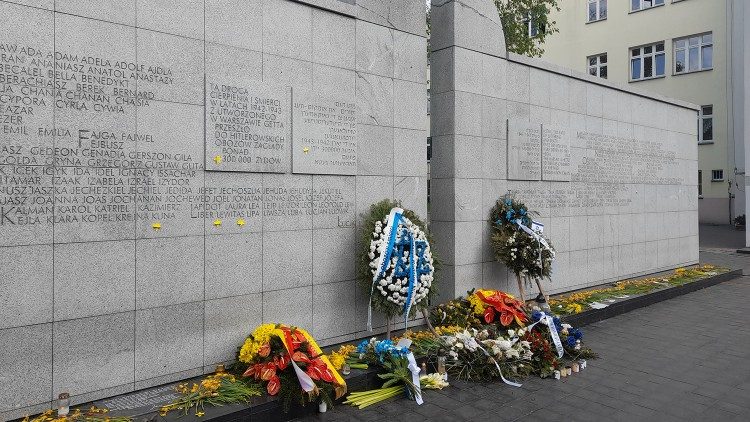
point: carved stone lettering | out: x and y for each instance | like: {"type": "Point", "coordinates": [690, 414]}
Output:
{"type": "Point", "coordinates": [248, 126]}
{"type": "Point", "coordinates": [524, 150]}
{"type": "Point", "coordinates": [325, 136]}
{"type": "Point", "coordinates": [555, 153]}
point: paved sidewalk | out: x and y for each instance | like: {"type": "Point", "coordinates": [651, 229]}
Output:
{"type": "Point", "coordinates": [724, 237]}
{"type": "Point", "coordinates": [686, 359]}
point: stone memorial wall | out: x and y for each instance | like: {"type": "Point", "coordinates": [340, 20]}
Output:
{"type": "Point", "coordinates": [173, 174]}
{"type": "Point", "coordinates": [611, 170]}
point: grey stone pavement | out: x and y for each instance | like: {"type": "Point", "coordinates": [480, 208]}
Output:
{"type": "Point", "coordinates": [686, 359]}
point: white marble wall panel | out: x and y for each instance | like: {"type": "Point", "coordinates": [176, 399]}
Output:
{"type": "Point", "coordinates": [629, 208]}
{"type": "Point", "coordinates": [138, 240]}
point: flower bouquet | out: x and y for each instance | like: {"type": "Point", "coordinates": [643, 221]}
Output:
{"type": "Point", "coordinates": [216, 390]}
{"type": "Point", "coordinates": [291, 364]}
{"type": "Point", "coordinates": [396, 262]}
{"type": "Point", "coordinates": [501, 324]}
{"type": "Point", "coordinates": [401, 372]}
{"type": "Point", "coordinates": [481, 307]}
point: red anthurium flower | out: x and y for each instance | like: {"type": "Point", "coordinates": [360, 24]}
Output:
{"type": "Point", "coordinates": [274, 385]}
{"type": "Point", "coordinates": [268, 371]}
{"type": "Point", "coordinates": [506, 318]}
{"type": "Point", "coordinates": [250, 372]}
{"type": "Point", "coordinates": [300, 357]}
{"type": "Point", "coordinates": [327, 375]}
{"type": "Point", "coordinates": [314, 372]}
{"type": "Point", "coordinates": [281, 361]}
{"type": "Point", "coordinates": [489, 314]}
{"type": "Point", "coordinates": [264, 350]}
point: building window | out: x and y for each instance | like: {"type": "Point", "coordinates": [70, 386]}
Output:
{"type": "Point", "coordinates": [695, 53]}
{"type": "Point", "coordinates": [636, 5]}
{"type": "Point", "coordinates": [598, 65]}
{"type": "Point", "coordinates": [706, 124]}
{"type": "Point", "coordinates": [597, 10]}
{"type": "Point", "coordinates": [700, 183]}
{"type": "Point", "coordinates": [647, 62]}
{"type": "Point", "coordinates": [428, 191]}
{"type": "Point", "coordinates": [429, 149]}
{"type": "Point", "coordinates": [532, 26]}
{"type": "Point", "coordinates": [717, 175]}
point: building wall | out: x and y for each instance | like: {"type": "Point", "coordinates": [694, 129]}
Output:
{"type": "Point", "coordinates": [622, 30]}
{"type": "Point", "coordinates": [100, 300]}
{"type": "Point", "coordinates": [630, 206]}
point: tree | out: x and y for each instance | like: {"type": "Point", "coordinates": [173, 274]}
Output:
{"type": "Point", "coordinates": [526, 24]}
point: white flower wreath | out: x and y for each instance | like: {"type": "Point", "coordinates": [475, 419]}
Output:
{"type": "Point", "coordinates": [406, 278]}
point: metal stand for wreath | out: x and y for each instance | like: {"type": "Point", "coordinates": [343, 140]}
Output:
{"type": "Point", "coordinates": [522, 291]}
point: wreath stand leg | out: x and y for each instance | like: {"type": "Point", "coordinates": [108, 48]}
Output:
{"type": "Point", "coordinates": [388, 327]}
{"type": "Point", "coordinates": [541, 290]}
{"type": "Point", "coordinates": [426, 316]}
{"type": "Point", "coordinates": [521, 290]}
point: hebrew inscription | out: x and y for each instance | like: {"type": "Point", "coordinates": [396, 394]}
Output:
{"type": "Point", "coordinates": [555, 153]}
{"type": "Point", "coordinates": [248, 126]}
{"type": "Point", "coordinates": [524, 150]}
{"type": "Point", "coordinates": [325, 136]}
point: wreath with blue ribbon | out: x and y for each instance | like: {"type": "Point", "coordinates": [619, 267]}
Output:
{"type": "Point", "coordinates": [515, 244]}
{"type": "Point", "coordinates": [397, 265]}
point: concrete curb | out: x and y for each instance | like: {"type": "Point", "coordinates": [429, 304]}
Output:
{"type": "Point", "coordinates": [619, 308]}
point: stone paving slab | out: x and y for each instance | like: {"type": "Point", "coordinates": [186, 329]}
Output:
{"type": "Point", "coordinates": [683, 359]}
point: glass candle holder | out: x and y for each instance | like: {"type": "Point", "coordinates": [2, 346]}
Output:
{"type": "Point", "coordinates": [63, 404]}
{"type": "Point", "coordinates": [575, 367]}
{"type": "Point", "coordinates": [568, 371]}
{"type": "Point", "coordinates": [441, 367]}
{"type": "Point", "coordinates": [346, 369]}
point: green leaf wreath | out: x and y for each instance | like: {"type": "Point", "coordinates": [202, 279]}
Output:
{"type": "Point", "coordinates": [515, 248]}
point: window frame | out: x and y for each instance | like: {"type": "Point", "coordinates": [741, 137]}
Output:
{"type": "Point", "coordinates": [714, 173]}
{"type": "Point", "coordinates": [702, 116]}
{"type": "Point", "coordinates": [642, 56]}
{"type": "Point", "coordinates": [641, 8]}
{"type": "Point", "coordinates": [598, 65]}
{"type": "Point", "coordinates": [599, 16]}
{"type": "Point", "coordinates": [686, 49]}
{"type": "Point", "coordinates": [529, 26]}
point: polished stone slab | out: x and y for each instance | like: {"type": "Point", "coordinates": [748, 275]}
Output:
{"type": "Point", "coordinates": [248, 125]}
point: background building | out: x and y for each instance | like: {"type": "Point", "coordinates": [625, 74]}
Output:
{"type": "Point", "coordinates": [686, 49]}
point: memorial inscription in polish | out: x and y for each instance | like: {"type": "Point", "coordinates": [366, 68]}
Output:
{"type": "Point", "coordinates": [325, 136]}
{"type": "Point", "coordinates": [555, 153]}
{"type": "Point", "coordinates": [524, 150]}
{"type": "Point", "coordinates": [248, 126]}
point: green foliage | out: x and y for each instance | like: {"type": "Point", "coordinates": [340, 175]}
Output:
{"type": "Point", "coordinates": [457, 312]}
{"type": "Point", "coordinates": [377, 212]}
{"type": "Point", "coordinates": [515, 248]}
{"type": "Point", "coordinates": [515, 15]}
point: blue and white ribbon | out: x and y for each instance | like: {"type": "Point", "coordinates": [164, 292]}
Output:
{"type": "Point", "coordinates": [398, 243]}
{"type": "Point", "coordinates": [541, 242]}
{"type": "Point", "coordinates": [549, 321]}
{"type": "Point", "coordinates": [414, 369]}
{"type": "Point", "coordinates": [384, 260]}
{"type": "Point", "coordinates": [511, 383]}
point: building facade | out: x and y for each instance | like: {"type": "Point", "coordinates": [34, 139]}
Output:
{"type": "Point", "coordinates": [686, 49]}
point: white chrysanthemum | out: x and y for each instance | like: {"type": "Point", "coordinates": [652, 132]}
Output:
{"type": "Point", "coordinates": [396, 289]}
